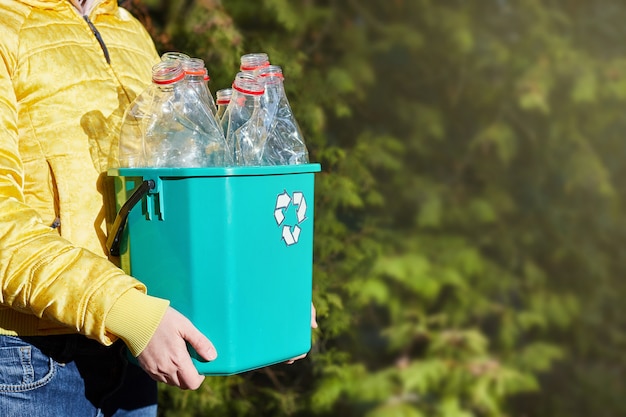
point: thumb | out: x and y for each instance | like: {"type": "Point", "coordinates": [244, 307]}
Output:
{"type": "Point", "coordinates": [199, 342]}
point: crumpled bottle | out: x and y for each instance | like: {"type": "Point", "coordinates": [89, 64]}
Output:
{"type": "Point", "coordinates": [246, 130]}
{"type": "Point", "coordinates": [131, 152]}
{"type": "Point", "coordinates": [195, 73]}
{"type": "Point", "coordinates": [168, 125]}
{"type": "Point", "coordinates": [285, 143]}
{"type": "Point", "coordinates": [223, 99]}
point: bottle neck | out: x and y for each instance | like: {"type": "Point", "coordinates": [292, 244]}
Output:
{"type": "Point", "coordinates": [167, 73]}
{"type": "Point", "coordinates": [271, 77]}
{"type": "Point", "coordinates": [248, 85]}
{"type": "Point", "coordinates": [253, 62]}
{"type": "Point", "coordinates": [273, 83]}
{"type": "Point", "coordinates": [223, 96]}
{"type": "Point", "coordinates": [175, 56]}
{"type": "Point", "coordinates": [170, 87]}
{"type": "Point", "coordinates": [196, 79]}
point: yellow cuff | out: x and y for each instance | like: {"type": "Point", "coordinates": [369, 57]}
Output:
{"type": "Point", "coordinates": [134, 318]}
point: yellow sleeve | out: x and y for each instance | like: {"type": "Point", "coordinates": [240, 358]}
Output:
{"type": "Point", "coordinates": [41, 273]}
{"type": "Point", "coordinates": [122, 319]}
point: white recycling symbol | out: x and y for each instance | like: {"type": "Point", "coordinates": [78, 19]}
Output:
{"type": "Point", "coordinates": [290, 233]}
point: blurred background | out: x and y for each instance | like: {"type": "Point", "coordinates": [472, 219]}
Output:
{"type": "Point", "coordinates": [470, 224]}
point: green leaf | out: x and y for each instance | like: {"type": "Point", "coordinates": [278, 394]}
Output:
{"type": "Point", "coordinates": [395, 409]}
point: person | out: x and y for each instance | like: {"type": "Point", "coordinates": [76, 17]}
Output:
{"type": "Point", "coordinates": [68, 70]}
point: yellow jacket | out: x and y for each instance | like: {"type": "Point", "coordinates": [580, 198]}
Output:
{"type": "Point", "coordinates": [64, 85]}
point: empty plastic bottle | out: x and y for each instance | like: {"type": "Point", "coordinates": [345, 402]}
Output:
{"type": "Point", "coordinates": [170, 127]}
{"type": "Point", "coordinates": [285, 143]}
{"type": "Point", "coordinates": [246, 130]}
{"type": "Point", "coordinates": [223, 99]}
{"type": "Point", "coordinates": [195, 73]}
{"type": "Point", "coordinates": [131, 147]}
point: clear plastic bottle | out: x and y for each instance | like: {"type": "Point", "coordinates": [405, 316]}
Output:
{"type": "Point", "coordinates": [131, 147]}
{"type": "Point", "coordinates": [246, 134]}
{"type": "Point", "coordinates": [169, 127]}
{"type": "Point", "coordinates": [285, 143]}
{"type": "Point", "coordinates": [223, 99]}
{"type": "Point", "coordinates": [195, 73]}
{"type": "Point", "coordinates": [174, 139]}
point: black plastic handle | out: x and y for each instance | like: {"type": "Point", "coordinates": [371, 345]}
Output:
{"type": "Point", "coordinates": [113, 242]}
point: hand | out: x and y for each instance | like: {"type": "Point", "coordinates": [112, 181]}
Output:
{"type": "Point", "coordinates": [166, 358]}
{"type": "Point", "coordinates": [314, 326]}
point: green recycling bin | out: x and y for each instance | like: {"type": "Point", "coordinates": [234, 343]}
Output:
{"type": "Point", "coordinates": [231, 248]}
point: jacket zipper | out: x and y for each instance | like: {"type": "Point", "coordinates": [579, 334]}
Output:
{"type": "Point", "coordinates": [99, 38]}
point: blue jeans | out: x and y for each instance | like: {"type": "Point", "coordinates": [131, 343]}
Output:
{"type": "Point", "coordinates": [72, 376]}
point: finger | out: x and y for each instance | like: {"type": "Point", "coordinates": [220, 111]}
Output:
{"type": "Point", "coordinates": [313, 317]}
{"type": "Point", "coordinates": [292, 360]}
{"type": "Point", "coordinates": [166, 363]}
{"type": "Point", "coordinates": [188, 376]}
{"type": "Point", "coordinates": [199, 342]}
{"type": "Point", "coordinates": [202, 345]}
{"type": "Point", "coordinates": [185, 375]}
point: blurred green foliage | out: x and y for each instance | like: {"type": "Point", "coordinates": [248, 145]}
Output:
{"type": "Point", "coordinates": [469, 216]}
